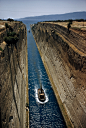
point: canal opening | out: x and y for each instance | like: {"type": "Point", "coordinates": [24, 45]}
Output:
{"type": "Point", "coordinates": [45, 114]}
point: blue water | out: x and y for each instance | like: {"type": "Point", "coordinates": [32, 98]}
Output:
{"type": "Point", "coordinates": [47, 114]}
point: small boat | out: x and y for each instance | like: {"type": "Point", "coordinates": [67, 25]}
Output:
{"type": "Point", "coordinates": [29, 31]}
{"type": "Point", "coordinates": [41, 94]}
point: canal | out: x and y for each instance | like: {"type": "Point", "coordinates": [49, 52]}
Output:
{"type": "Point", "coordinates": [47, 114]}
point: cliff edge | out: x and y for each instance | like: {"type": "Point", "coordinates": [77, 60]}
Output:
{"type": "Point", "coordinates": [64, 57]}
{"type": "Point", "coordinates": [13, 74]}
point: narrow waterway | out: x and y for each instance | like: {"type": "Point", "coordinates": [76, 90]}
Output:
{"type": "Point", "coordinates": [47, 114]}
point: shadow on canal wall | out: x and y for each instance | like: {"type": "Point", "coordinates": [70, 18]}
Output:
{"type": "Point", "coordinates": [13, 78]}
{"type": "Point", "coordinates": [65, 63]}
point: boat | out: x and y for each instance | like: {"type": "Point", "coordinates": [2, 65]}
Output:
{"type": "Point", "coordinates": [41, 94]}
{"type": "Point", "coordinates": [29, 31]}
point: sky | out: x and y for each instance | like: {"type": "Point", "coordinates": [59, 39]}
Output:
{"type": "Point", "coordinates": [27, 8]}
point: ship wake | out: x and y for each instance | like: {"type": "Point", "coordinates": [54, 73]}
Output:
{"type": "Point", "coordinates": [37, 99]}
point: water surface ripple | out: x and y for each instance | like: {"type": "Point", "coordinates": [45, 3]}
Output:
{"type": "Point", "coordinates": [47, 114]}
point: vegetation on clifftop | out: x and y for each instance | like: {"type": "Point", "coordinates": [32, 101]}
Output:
{"type": "Point", "coordinates": [69, 25]}
{"type": "Point", "coordinates": [79, 20]}
{"type": "Point", "coordinates": [12, 37]}
{"type": "Point", "coordinates": [1, 49]}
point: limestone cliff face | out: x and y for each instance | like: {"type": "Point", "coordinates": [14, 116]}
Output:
{"type": "Point", "coordinates": [13, 78]}
{"type": "Point", "coordinates": [64, 58]}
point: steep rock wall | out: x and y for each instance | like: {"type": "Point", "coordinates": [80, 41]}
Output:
{"type": "Point", "coordinates": [13, 78]}
{"type": "Point", "coordinates": [65, 61]}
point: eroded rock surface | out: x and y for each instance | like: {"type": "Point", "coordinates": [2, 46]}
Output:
{"type": "Point", "coordinates": [64, 57]}
{"type": "Point", "coordinates": [13, 77]}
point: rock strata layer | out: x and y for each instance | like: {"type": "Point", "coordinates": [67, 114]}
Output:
{"type": "Point", "coordinates": [13, 77]}
{"type": "Point", "coordinates": [64, 57]}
